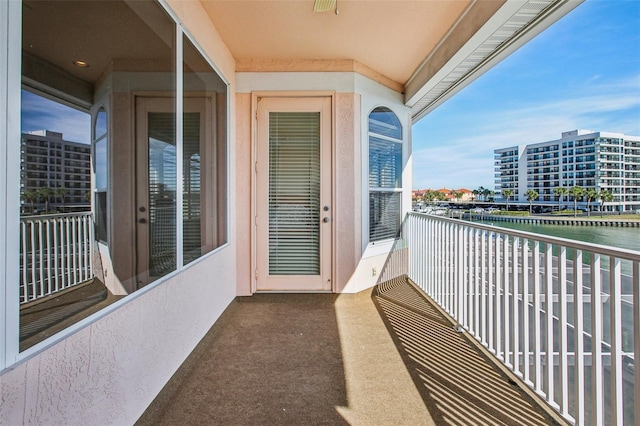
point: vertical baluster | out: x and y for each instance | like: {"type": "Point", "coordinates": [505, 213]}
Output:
{"type": "Point", "coordinates": [578, 338]}
{"type": "Point", "coordinates": [497, 318]}
{"type": "Point", "coordinates": [41, 291]}
{"type": "Point", "coordinates": [636, 335]}
{"type": "Point", "coordinates": [460, 281]}
{"type": "Point", "coordinates": [524, 276]}
{"type": "Point", "coordinates": [490, 312]}
{"type": "Point", "coordinates": [514, 301]}
{"type": "Point", "coordinates": [548, 286]}
{"type": "Point", "coordinates": [25, 262]}
{"type": "Point", "coordinates": [468, 264]}
{"type": "Point", "coordinates": [91, 239]}
{"type": "Point", "coordinates": [56, 253]}
{"type": "Point", "coordinates": [74, 248]}
{"type": "Point", "coordinates": [67, 244]}
{"type": "Point", "coordinates": [615, 309]}
{"type": "Point", "coordinates": [483, 287]}
{"type": "Point", "coordinates": [451, 267]}
{"type": "Point", "coordinates": [476, 281]}
{"type": "Point", "coordinates": [597, 382]}
{"type": "Point", "coordinates": [562, 331]}
{"type": "Point", "coordinates": [505, 299]}
{"type": "Point", "coordinates": [537, 311]}
{"type": "Point", "coordinates": [47, 257]}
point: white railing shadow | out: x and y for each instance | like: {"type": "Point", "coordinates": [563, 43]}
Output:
{"type": "Point", "coordinates": [562, 315]}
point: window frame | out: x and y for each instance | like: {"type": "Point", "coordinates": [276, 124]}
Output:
{"type": "Point", "coordinates": [399, 187]}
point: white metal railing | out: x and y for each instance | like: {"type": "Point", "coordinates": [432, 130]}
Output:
{"type": "Point", "coordinates": [516, 292]}
{"type": "Point", "coordinates": [55, 253]}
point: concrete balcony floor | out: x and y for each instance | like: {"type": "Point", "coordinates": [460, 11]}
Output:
{"type": "Point", "coordinates": [387, 356]}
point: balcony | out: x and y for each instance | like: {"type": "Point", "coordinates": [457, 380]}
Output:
{"type": "Point", "coordinates": [384, 357]}
{"type": "Point", "coordinates": [465, 323]}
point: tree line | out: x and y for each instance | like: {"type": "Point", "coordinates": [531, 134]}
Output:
{"type": "Point", "coordinates": [575, 192]}
{"type": "Point", "coordinates": [46, 195]}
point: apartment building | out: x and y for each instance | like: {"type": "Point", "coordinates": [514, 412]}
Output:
{"type": "Point", "coordinates": [592, 160]}
{"type": "Point", "coordinates": [49, 161]}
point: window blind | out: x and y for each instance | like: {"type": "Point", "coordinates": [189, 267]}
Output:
{"type": "Point", "coordinates": [162, 193]}
{"type": "Point", "coordinates": [294, 193]}
{"type": "Point", "coordinates": [385, 174]}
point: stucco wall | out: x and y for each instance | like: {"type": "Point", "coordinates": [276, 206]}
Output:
{"type": "Point", "coordinates": [354, 97]}
{"type": "Point", "coordinates": [109, 367]}
{"type": "Point", "coordinates": [109, 371]}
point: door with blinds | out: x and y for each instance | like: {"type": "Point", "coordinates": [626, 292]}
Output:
{"type": "Point", "coordinates": [293, 194]}
{"type": "Point", "coordinates": [156, 184]}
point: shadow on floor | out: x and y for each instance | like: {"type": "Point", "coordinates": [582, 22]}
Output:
{"type": "Point", "coordinates": [458, 384]}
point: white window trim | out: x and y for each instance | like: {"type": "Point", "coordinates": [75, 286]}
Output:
{"type": "Point", "coordinates": [10, 70]}
{"type": "Point", "coordinates": [381, 246]}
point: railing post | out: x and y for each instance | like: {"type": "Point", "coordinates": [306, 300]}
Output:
{"type": "Point", "coordinates": [578, 322]}
{"type": "Point", "coordinates": [548, 286]}
{"type": "Point", "coordinates": [636, 335]}
{"type": "Point", "coordinates": [615, 304]}
{"type": "Point", "coordinates": [537, 311]}
{"type": "Point", "coordinates": [597, 383]}
{"type": "Point", "coordinates": [525, 312]}
{"type": "Point", "coordinates": [562, 330]}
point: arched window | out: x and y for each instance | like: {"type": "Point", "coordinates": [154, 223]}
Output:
{"type": "Point", "coordinates": [100, 168]}
{"type": "Point", "coordinates": [385, 174]}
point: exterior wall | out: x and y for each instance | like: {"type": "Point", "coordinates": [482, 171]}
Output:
{"type": "Point", "coordinates": [109, 371]}
{"type": "Point", "coordinates": [107, 368]}
{"type": "Point", "coordinates": [354, 97]}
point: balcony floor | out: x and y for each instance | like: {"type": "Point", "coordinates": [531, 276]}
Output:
{"type": "Point", "coordinates": [386, 356]}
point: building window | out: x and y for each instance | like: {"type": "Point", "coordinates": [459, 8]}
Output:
{"type": "Point", "coordinates": [385, 174]}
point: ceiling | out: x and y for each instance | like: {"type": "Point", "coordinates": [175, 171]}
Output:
{"type": "Point", "coordinates": [429, 49]}
{"type": "Point", "coordinates": [390, 37]}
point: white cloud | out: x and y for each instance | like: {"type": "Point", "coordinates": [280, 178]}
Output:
{"type": "Point", "coordinates": [462, 156]}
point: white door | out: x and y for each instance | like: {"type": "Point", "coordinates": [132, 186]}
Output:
{"type": "Point", "coordinates": [156, 183]}
{"type": "Point", "coordinates": [293, 194]}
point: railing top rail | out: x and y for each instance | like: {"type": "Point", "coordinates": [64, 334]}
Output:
{"type": "Point", "coordinates": [620, 253]}
{"type": "Point", "coordinates": [54, 216]}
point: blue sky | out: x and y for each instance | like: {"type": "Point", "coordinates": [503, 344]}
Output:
{"type": "Point", "coordinates": [42, 114]}
{"type": "Point", "coordinates": [581, 73]}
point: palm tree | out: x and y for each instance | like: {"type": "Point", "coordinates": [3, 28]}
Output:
{"type": "Point", "coordinates": [560, 191]}
{"type": "Point", "coordinates": [486, 193]}
{"type": "Point", "coordinates": [45, 193]}
{"type": "Point", "coordinates": [30, 196]}
{"type": "Point", "coordinates": [605, 197]}
{"type": "Point", "coordinates": [507, 193]}
{"type": "Point", "coordinates": [532, 195]}
{"type": "Point", "coordinates": [62, 194]}
{"type": "Point", "coordinates": [576, 192]}
{"type": "Point", "coordinates": [590, 195]}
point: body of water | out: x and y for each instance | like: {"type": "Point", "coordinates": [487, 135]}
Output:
{"type": "Point", "coordinates": [620, 237]}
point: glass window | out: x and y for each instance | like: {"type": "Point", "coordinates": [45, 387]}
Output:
{"type": "Point", "coordinates": [385, 174]}
{"type": "Point", "coordinates": [204, 156]}
{"type": "Point", "coordinates": [117, 71]}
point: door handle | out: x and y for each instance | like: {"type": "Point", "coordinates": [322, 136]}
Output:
{"type": "Point", "coordinates": [142, 220]}
{"type": "Point", "coordinates": [326, 220]}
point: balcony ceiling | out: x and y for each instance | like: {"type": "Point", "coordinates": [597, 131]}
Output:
{"type": "Point", "coordinates": [390, 37]}
{"type": "Point", "coordinates": [426, 49]}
